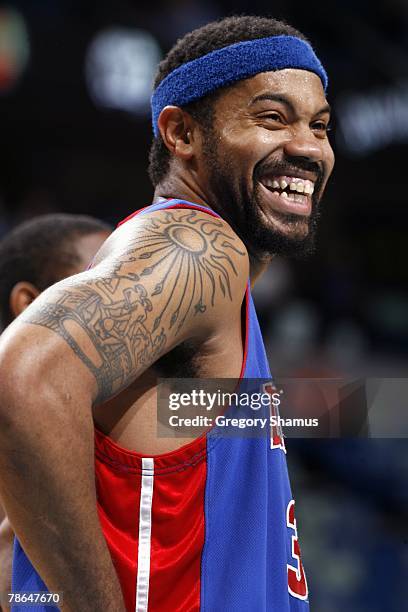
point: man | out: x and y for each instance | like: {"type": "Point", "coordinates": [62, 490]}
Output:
{"type": "Point", "coordinates": [239, 162]}
{"type": "Point", "coordinates": [33, 256]}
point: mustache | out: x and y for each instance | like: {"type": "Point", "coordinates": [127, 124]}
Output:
{"type": "Point", "coordinates": [288, 167]}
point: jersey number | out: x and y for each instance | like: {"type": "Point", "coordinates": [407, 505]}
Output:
{"type": "Point", "coordinates": [297, 584]}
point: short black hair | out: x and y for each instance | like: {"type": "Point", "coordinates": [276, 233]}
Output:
{"type": "Point", "coordinates": [41, 251]}
{"type": "Point", "coordinates": [210, 37]}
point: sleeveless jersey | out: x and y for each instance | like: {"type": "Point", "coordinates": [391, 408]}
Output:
{"type": "Point", "coordinates": [209, 527]}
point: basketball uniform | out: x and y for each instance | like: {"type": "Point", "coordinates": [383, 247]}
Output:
{"type": "Point", "coordinates": [209, 527]}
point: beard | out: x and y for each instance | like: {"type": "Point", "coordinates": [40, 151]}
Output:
{"type": "Point", "coordinates": [278, 234]}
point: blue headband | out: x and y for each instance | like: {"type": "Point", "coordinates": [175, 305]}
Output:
{"type": "Point", "coordinates": [196, 79]}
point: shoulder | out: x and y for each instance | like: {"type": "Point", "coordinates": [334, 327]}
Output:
{"type": "Point", "coordinates": [202, 226]}
{"type": "Point", "coordinates": [188, 239]}
{"type": "Point", "coordinates": [189, 264]}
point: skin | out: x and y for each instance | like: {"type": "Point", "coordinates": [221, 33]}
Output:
{"type": "Point", "coordinates": [164, 297]}
{"type": "Point", "coordinates": [21, 296]}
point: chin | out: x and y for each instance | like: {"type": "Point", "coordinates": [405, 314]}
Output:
{"type": "Point", "coordinates": [276, 233]}
{"type": "Point", "coordinates": [294, 239]}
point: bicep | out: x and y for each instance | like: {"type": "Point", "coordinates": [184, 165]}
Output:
{"type": "Point", "coordinates": [173, 276]}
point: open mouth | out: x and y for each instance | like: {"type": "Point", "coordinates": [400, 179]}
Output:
{"type": "Point", "coordinates": [290, 193]}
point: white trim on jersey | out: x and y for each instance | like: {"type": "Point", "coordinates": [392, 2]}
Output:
{"type": "Point", "coordinates": [145, 530]}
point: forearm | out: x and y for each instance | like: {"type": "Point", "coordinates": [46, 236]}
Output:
{"type": "Point", "coordinates": [47, 486]}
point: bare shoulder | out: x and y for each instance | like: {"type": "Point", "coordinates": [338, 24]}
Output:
{"type": "Point", "coordinates": [159, 280]}
{"type": "Point", "coordinates": [182, 233]}
{"type": "Point", "coordinates": [207, 242]}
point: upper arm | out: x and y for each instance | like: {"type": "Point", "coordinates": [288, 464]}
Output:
{"type": "Point", "coordinates": [164, 278]}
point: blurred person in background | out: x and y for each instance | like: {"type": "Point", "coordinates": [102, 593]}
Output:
{"type": "Point", "coordinates": [33, 256]}
{"type": "Point", "coordinates": [240, 162]}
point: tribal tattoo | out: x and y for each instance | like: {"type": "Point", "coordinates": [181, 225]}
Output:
{"type": "Point", "coordinates": [119, 317]}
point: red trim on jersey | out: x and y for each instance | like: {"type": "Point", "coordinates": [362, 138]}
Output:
{"type": "Point", "coordinates": [134, 214]}
{"type": "Point", "coordinates": [129, 461]}
{"type": "Point", "coordinates": [246, 333]}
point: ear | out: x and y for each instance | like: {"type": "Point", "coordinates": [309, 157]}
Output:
{"type": "Point", "coordinates": [21, 296]}
{"type": "Point", "coordinates": [177, 131]}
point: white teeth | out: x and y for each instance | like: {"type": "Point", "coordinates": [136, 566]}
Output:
{"type": "Point", "coordinates": [299, 198]}
{"type": "Point", "coordinates": [291, 196]}
{"type": "Point", "coordinates": [296, 186]}
{"type": "Point", "coordinates": [309, 188]}
{"type": "Point", "coordinates": [284, 194]}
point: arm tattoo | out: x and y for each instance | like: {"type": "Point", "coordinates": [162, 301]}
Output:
{"type": "Point", "coordinates": [127, 319]}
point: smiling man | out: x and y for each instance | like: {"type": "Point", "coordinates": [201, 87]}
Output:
{"type": "Point", "coordinates": [239, 161]}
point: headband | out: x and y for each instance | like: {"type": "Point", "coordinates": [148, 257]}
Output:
{"type": "Point", "coordinates": [194, 80]}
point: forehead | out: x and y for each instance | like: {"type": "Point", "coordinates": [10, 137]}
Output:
{"type": "Point", "coordinates": [304, 89]}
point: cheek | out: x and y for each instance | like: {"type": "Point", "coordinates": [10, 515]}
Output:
{"type": "Point", "coordinates": [244, 149]}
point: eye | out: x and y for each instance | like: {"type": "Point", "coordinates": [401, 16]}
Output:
{"type": "Point", "coordinates": [321, 126]}
{"type": "Point", "coordinates": [273, 116]}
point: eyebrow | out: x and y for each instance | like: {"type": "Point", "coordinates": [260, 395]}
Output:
{"type": "Point", "coordinates": [286, 101]}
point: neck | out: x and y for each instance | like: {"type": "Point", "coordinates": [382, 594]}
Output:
{"type": "Point", "coordinates": [256, 269]}
{"type": "Point", "coordinates": [179, 187]}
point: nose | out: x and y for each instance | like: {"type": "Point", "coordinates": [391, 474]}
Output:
{"type": "Point", "coordinates": [304, 143]}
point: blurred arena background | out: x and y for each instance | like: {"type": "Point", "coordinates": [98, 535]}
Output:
{"type": "Point", "coordinates": [75, 80]}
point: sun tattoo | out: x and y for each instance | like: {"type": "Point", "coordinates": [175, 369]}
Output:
{"type": "Point", "coordinates": [191, 255]}
{"type": "Point", "coordinates": [175, 266]}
